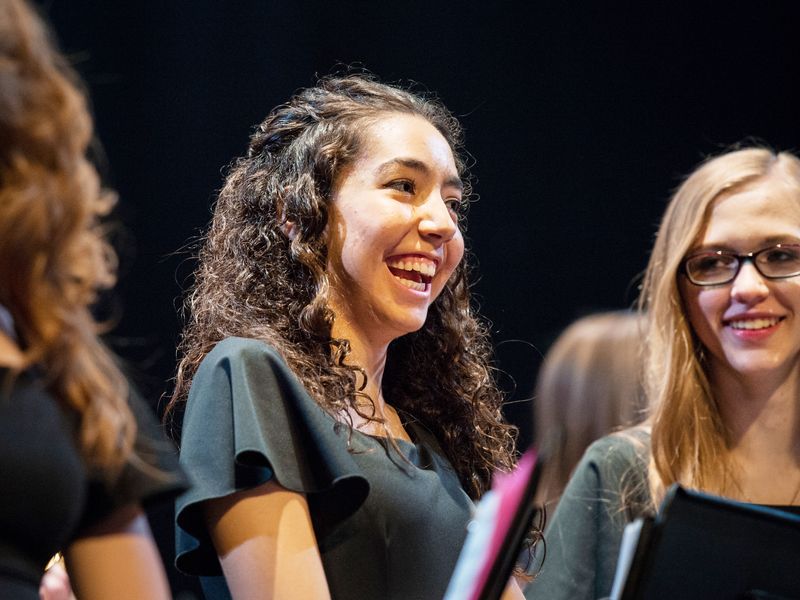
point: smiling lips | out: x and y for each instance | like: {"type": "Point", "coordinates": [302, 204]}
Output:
{"type": "Point", "coordinates": [414, 272]}
{"type": "Point", "coordinates": [754, 324]}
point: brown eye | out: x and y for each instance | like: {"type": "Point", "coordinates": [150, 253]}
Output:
{"type": "Point", "coordinates": [782, 254]}
{"type": "Point", "coordinates": [711, 263]}
{"type": "Point", "coordinates": [711, 268]}
{"type": "Point", "coordinates": [403, 185]}
{"type": "Point", "coordinates": [455, 206]}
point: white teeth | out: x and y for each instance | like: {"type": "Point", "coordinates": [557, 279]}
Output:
{"type": "Point", "coordinates": [420, 287]}
{"type": "Point", "coordinates": [754, 323]}
{"type": "Point", "coordinates": [417, 264]}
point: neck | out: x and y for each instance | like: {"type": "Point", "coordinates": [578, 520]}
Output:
{"type": "Point", "coordinates": [760, 410]}
{"type": "Point", "coordinates": [762, 416]}
{"type": "Point", "coordinates": [370, 354]}
{"type": "Point", "coordinates": [366, 353]}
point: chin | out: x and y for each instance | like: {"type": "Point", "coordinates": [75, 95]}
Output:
{"type": "Point", "coordinates": [410, 324]}
{"type": "Point", "coordinates": [412, 327]}
{"type": "Point", "coordinates": [757, 365]}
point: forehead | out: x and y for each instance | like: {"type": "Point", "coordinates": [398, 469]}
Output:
{"type": "Point", "coordinates": [764, 209]}
{"type": "Point", "coordinates": [408, 136]}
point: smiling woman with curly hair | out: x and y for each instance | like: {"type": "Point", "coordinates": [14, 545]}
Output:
{"type": "Point", "coordinates": [343, 413]}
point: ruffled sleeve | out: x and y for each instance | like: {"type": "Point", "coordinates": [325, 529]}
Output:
{"type": "Point", "coordinates": [248, 420]}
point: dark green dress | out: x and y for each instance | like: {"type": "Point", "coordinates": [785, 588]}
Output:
{"type": "Point", "coordinates": [607, 490]}
{"type": "Point", "coordinates": [386, 527]}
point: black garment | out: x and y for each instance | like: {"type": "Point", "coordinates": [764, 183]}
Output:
{"type": "Point", "coordinates": [386, 528]}
{"type": "Point", "coordinates": [48, 495]}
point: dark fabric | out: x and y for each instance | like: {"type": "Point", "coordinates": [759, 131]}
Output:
{"type": "Point", "coordinates": [386, 528]}
{"type": "Point", "coordinates": [49, 496]}
{"type": "Point", "coordinates": [16, 589]}
{"type": "Point", "coordinates": [584, 535]}
{"type": "Point", "coordinates": [795, 510]}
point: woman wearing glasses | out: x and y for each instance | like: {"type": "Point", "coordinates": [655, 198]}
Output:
{"type": "Point", "coordinates": [722, 369]}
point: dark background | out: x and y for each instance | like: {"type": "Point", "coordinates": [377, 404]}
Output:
{"type": "Point", "coordinates": [582, 117]}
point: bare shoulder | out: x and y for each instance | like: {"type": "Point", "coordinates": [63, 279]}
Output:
{"type": "Point", "coordinates": [10, 354]}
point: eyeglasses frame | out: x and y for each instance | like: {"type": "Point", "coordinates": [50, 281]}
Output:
{"type": "Point", "coordinates": [740, 260]}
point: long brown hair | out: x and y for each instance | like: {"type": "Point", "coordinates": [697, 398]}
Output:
{"type": "Point", "coordinates": [589, 385]}
{"type": "Point", "coordinates": [689, 439]}
{"type": "Point", "coordinates": [53, 257]}
{"type": "Point", "coordinates": [252, 281]}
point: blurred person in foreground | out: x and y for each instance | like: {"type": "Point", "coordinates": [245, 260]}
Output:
{"type": "Point", "coordinates": [77, 457]}
{"type": "Point", "coordinates": [589, 385]}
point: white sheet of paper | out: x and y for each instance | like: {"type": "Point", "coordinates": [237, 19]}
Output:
{"type": "Point", "coordinates": [630, 538]}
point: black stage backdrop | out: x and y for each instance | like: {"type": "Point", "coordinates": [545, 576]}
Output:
{"type": "Point", "coordinates": [581, 119]}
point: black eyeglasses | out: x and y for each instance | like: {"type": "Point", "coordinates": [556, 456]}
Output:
{"type": "Point", "coordinates": [718, 267]}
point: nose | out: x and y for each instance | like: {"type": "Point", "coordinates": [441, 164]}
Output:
{"type": "Point", "coordinates": [749, 286]}
{"type": "Point", "coordinates": [436, 223]}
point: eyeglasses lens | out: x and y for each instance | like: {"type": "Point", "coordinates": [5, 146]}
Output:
{"type": "Point", "coordinates": [715, 268]}
{"type": "Point", "coordinates": [780, 261]}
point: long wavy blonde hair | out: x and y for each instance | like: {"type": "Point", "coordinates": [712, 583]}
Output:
{"type": "Point", "coordinates": [53, 255]}
{"type": "Point", "coordinates": [689, 438]}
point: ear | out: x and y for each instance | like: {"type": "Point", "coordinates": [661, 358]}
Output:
{"type": "Point", "coordinates": [287, 226]}
{"type": "Point", "coordinates": [289, 229]}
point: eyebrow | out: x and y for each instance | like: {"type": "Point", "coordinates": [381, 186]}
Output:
{"type": "Point", "coordinates": [416, 165]}
{"type": "Point", "coordinates": [764, 243]}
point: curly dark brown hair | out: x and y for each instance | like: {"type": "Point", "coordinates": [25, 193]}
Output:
{"type": "Point", "coordinates": [252, 281]}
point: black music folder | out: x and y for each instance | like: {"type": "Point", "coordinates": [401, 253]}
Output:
{"type": "Point", "coordinates": [701, 547]}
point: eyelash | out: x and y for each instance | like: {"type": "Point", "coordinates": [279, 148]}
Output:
{"type": "Point", "coordinates": [398, 183]}
{"type": "Point", "coordinates": [455, 205]}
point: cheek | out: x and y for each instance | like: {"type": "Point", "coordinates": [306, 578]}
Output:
{"type": "Point", "coordinates": [708, 306]}
{"type": "Point", "coordinates": [704, 310]}
{"type": "Point", "coordinates": [455, 253]}
{"type": "Point", "coordinates": [790, 295]}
